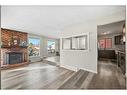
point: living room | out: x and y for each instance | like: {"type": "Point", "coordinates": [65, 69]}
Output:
{"type": "Point", "coordinates": [56, 47]}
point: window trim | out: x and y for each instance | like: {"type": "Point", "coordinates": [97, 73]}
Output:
{"type": "Point", "coordinates": [39, 46]}
{"type": "Point", "coordinates": [47, 44]}
{"type": "Point", "coordinates": [87, 34]}
{"type": "Point", "coordinates": [105, 46]}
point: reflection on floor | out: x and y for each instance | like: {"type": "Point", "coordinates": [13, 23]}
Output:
{"type": "Point", "coordinates": [54, 60]}
{"type": "Point", "coordinates": [108, 77]}
{"type": "Point", "coordinates": [44, 76]}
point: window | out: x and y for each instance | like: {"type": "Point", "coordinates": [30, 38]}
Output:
{"type": "Point", "coordinates": [79, 42]}
{"type": "Point", "coordinates": [102, 43]}
{"type": "Point", "coordinates": [51, 46]}
{"type": "Point", "coordinates": [105, 43]}
{"type": "Point", "coordinates": [34, 47]}
{"type": "Point", "coordinates": [75, 43]}
{"type": "Point", "coordinates": [67, 43]}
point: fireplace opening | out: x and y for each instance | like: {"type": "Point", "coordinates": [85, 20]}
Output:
{"type": "Point", "coordinates": [14, 57]}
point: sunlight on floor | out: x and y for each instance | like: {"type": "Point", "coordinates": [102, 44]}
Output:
{"type": "Point", "coordinates": [31, 68]}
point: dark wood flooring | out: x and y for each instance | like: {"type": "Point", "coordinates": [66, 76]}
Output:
{"type": "Point", "coordinates": [45, 76]}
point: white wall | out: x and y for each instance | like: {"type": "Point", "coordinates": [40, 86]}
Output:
{"type": "Point", "coordinates": [86, 60]}
{"type": "Point", "coordinates": [77, 59]}
{"type": "Point", "coordinates": [43, 47]}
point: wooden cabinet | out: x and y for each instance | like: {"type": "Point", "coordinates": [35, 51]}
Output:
{"type": "Point", "coordinates": [106, 54]}
{"type": "Point", "coordinates": [121, 61]}
{"type": "Point", "coordinates": [119, 40]}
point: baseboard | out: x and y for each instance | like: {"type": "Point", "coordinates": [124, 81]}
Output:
{"type": "Point", "coordinates": [69, 67]}
{"type": "Point", "coordinates": [92, 71]}
{"type": "Point", "coordinates": [76, 69]}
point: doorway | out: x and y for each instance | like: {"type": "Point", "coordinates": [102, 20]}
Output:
{"type": "Point", "coordinates": [111, 52]}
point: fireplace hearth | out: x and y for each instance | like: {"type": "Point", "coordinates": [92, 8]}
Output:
{"type": "Point", "coordinates": [14, 57]}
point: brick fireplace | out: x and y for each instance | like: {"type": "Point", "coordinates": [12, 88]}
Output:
{"type": "Point", "coordinates": [13, 48]}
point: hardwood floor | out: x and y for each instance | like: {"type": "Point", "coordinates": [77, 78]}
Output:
{"type": "Point", "coordinates": [108, 77]}
{"type": "Point", "coordinates": [34, 76]}
{"type": "Point", "coordinates": [54, 60]}
{"type": "Point", "coordinates": [44, 76]}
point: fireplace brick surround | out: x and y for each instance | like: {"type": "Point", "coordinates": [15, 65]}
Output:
{"type": "Point", "coordinates": [9, 47]}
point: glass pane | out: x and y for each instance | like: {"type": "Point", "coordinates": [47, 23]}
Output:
{"type": "Point", "coordinates": [67, 43]}
{"type": "Point", "coordinates": [102, 43]}
{"type": "Point", "coordinates": [51, 46]}
{"type": "Point", "coordinates": [82, 42]}
{"type": "Point", "coordinates": [34, 47]}
{"type": "Point", "coordinates": [74, 43]}
{"type": "Point", "coordinates": [108, 43]}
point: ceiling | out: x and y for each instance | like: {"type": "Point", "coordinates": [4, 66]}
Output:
{"type": "Point", "coordinates": [112, 28]}
{"type": "Point", "coordinates": [51, 20]}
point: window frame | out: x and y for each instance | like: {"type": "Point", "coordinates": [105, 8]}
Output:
{"type": "Point", "coordinates": [87, 42]}
{"type": "Point", "coordinates": [105, 44]}
{"type": "Point", "coordinates": [39, 45]}
{"type": "Point", "coordinates": [47, 45]}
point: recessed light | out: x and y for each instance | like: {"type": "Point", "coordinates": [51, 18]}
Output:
{"type": "Point", "coordinates": [104, 33]}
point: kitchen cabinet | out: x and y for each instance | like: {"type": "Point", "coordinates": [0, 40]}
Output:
{"type": "Point", "coordinates": [121, 61]}
{"type": "Point", "coordinates": [107, 54]}
{"type": "Point", "coordinates": [119, 40]}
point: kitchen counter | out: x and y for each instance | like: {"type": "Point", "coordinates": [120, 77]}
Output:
{"type": "Point", "coordinates": [120, 51]}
